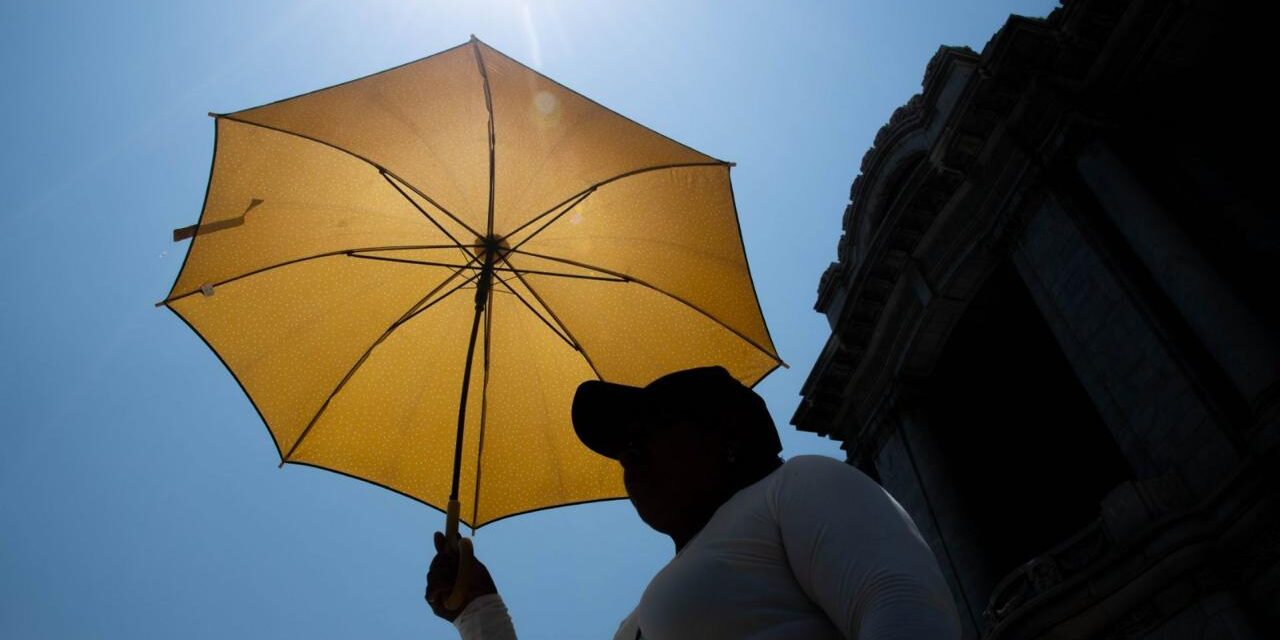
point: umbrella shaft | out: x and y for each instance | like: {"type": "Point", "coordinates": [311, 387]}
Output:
{"type": "Point", "coordinates": [482, 296]}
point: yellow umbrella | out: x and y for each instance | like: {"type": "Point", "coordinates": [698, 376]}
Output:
{"type": "Point", "coordinates": [358, 241]}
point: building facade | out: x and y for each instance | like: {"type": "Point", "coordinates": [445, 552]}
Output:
{"type": "Point", "coordinates": [1054, 324]}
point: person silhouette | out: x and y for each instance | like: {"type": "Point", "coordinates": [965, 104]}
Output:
{"type": "Point", "coordinates": [807, 548]}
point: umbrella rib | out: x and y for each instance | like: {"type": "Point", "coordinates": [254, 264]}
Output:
{"type": "Point", "coordinates": [448, 293]}
{"type": "Point", "coordinates": [558, 274]}
{"type": "Point", "coordinates": [488, 104]}
{"type": "Point", "coordinates": [327, 254]}
{"type": "Point", "coordinates": [357, 156]}
{"type": "Point", "coordinates": [578, 201]}
{"type": "Point", "coordinates": [620, 176]}
{"type": "Point", "coordinates": [550, 326]}
{"type": "Point", "coordinates": [413, 311]}
{"type": "Point", "coordinates": [429, 263]}
{"type": "Point", "coordinates": [439, 226]}
{"type": "Point", "coordinates": [415, 308]}
{"type": "Point", "coordinates": [577, 345]}
{"type": "Point", "coordinates": [654, 288]}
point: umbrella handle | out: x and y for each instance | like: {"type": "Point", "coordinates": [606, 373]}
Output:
{"type": "Point", "coordinates": [465, 556]}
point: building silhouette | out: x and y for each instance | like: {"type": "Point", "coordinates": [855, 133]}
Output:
{"type": "Point", "coordinates": [1054, 313]}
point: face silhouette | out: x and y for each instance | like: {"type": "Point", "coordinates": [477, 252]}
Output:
{"type": "Point", "coordinates": [673, 470]}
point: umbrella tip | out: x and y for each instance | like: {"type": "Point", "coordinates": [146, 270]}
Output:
{"type": "Point", "coordinates": [474, 38]}
{"type": "Point", "coordinates": [732, 164]}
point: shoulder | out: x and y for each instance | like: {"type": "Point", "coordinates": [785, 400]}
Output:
{"type": "Point", "coordinates": [812, 476]}
{"type": "Point", "coordinates": [817, 463]}
{"type": "Point", "coordinates": [811, 468]}
{"type": "Point", "coordinates": [830, 486]}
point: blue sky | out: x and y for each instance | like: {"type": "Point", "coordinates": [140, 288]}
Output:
{"type": "Point", "coordinates": [139, 489]}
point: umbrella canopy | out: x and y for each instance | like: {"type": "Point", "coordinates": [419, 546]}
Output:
{"type": "Point", "coordinates": [349, 235]}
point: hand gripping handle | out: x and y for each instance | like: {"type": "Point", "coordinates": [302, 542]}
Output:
{"type": "Point", "coordinates": [465, 556]}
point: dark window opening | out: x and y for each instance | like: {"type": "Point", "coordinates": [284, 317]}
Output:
{"type": "Point", "coordinates": [1029, 456]}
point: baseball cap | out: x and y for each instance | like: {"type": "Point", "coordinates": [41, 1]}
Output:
{"type": "Point", "coordinates": [709, 395]}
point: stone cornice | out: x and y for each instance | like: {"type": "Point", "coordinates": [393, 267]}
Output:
{"type": "Point", "coordinates": [912, 116]}
{"type": "Point", "coordinates": [945, 129]}
{"type": "Point", "coordinates": [1012, 96]}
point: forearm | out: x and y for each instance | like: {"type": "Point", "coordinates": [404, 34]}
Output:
{"type": "Point", "coordinates": [485, 618]}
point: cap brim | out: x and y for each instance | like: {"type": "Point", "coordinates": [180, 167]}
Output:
{"type": "Point", "coordinates": [598, 411]}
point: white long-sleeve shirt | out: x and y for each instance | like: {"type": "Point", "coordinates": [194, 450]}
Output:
{"type": "Point", "coordinates": [814, 550]}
